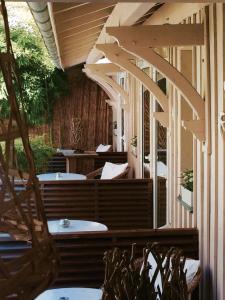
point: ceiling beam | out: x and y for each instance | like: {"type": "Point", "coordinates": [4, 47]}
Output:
{"type": "Point", "coordinates": [62, 7]}
{"type": "Point", "coordinates": [70, 25]}
{"type": "Point", "coordinates": [75, 61]}
{"type": "Point", "coordinates": [79, 37]}
{"type": "Point", "coordinates": [159, 35]}
{"type": "Point", "coordinates": [82, 29]}
{"type": "Point", "coordinates": [81, 42]}
{"type": "Point", "coordinates": [76, 50]}
{"type": "Point", "coordinates": [85, 10]}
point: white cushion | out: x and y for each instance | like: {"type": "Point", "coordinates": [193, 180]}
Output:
{"type": "Point", "coordinates": [191, 265]}
{"type": "Point", "coordinates": [112, 170]}
{"type": "Point", "coordinates": [103, 148]}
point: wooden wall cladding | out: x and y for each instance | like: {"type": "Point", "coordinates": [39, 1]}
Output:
{"type": "Point", "coordinates": [119, 204]}
{"type": "Point", "coordinates": [82, 253]}
{"type": "Point", "coordinates": [86, 101]}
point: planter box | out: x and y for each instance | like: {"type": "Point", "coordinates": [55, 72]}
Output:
{"type": "Point", "coordinates": [115, 132]}
{"type": "Point", "coordinates": [186, 198]}
{"type": "Point", "coordinates": [134, 150]}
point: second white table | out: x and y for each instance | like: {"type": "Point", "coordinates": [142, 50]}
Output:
{"type": "Point", "coordinates": [60, 176]}
{"type": "Point", "coordinates": [75, 226]}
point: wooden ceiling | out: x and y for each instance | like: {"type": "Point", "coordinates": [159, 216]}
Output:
{"type": "Point", "coordinates": [77, 27]}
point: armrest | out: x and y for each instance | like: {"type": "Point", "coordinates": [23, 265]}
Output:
{"type": "Point", "coordinates": [95, 173]}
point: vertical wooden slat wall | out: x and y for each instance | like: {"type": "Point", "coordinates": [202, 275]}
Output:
{"type": "Point", "coordinates": [86, 100]}
{"type": "Point", "coordinates": [208, 68]}
{"type": "Point", "coordinates": [208, 157]}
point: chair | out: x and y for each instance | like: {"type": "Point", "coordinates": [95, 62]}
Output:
{"type": "Point", "coordinates": [110, 171]}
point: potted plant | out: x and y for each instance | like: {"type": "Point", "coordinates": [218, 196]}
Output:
{"type": "Point", "coordinates": [134, 145]}
{"type": "Point", "coordinates": [115, 127]}
{"type": "Point", "coordinates": [186, 191]}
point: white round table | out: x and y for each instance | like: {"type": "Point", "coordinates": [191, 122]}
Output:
{"type": "Point", "coordinates": [60, 176]}
{"type": "Point", "coordinates": [75, 226]}
{"type": "Point", "coordinates": [71, 294]}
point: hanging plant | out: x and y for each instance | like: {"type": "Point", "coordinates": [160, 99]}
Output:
{"type": "Point", "coordinates": [134, 141]}
{"type": "Point", "coordinates": [187, 179]}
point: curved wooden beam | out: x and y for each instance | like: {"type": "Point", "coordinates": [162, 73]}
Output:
{"type": "Point", "coordinates": [164, 67]}
{"type": "Point", "coordinates": [113, 95]}
{"type": "Point", "coordinates": [111, 82]}
{"type": "Point", "coordinates": [123, 59]}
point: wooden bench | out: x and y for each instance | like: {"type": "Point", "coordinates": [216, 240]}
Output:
{"type": "Point", "coordinates": [119, 203]}
{"type": "Point", "coordinates": [57, 163]}
{"type": "Point", "coordinates": [113, 157]}
{"type": "Point", "coordinates": [81, 254]}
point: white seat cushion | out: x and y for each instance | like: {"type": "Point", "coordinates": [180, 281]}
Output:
{"type": "Point", "coordinates": [103, 148]}
{"type": "Point", "coordinates": [191, 265]}
{"type": "Point", "coordinates": [112, 170]}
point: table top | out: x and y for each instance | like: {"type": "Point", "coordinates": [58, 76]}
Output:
{"type": "Point", "coordinates": [60, 176]}
{"type": "Point", "coordinates": [75, 226]}
{"type": "Point", "coordinates": [71, 294]}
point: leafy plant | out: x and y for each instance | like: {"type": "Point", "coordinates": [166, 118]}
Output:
{"type": "Point", "coordinates": [187, 179]}
{"type": "Point", "coordinates": [42, 153]}
{"type": "Point", "coordinates": [41, 82]}
{"type": "Point", "coordinates": [134, 141]}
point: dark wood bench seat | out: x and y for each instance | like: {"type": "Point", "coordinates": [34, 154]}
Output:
{"type": "Point", "coordinates": [81, 253]}
{"type": "Point", "coordinates": [119, 204]}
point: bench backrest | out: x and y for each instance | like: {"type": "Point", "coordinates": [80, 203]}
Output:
{"type": "Point", "coordinates": [113, 157]}
{"type": "Point", "coordinates": [118, 203]}
{"type": "Point", "coordinates": [81, 254]}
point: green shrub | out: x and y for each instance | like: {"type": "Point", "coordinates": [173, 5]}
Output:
{"type": "Point", "coordinates": [187, 179]}
{"type": "Point", "coordinates": [42, 153]}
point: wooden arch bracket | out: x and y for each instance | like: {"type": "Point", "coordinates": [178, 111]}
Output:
{"type": "Point", "coordinates": [113, 95]}
{"type": "Point", "coordinates": [159, 35]}
{"type": "Point", "coordinates": [123, 59]}
{"type": "Point", "coordinates": [162, 117]}
{"type": "Point", "coordinates": [134, 44]}
{"type": "Point", "coordinates": [197, 127]}
{"type": "Point", "coordinates": [109, 81]}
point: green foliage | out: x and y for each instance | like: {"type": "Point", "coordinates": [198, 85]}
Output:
{"type": "Point", "coordinates": [41, 83]}
{"type": "Point", "coordinates": [42, 153]}
{"type": "Point", "coordinates": [187, 179]}
{"type": "Point", "coordinates": [134, 141]}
